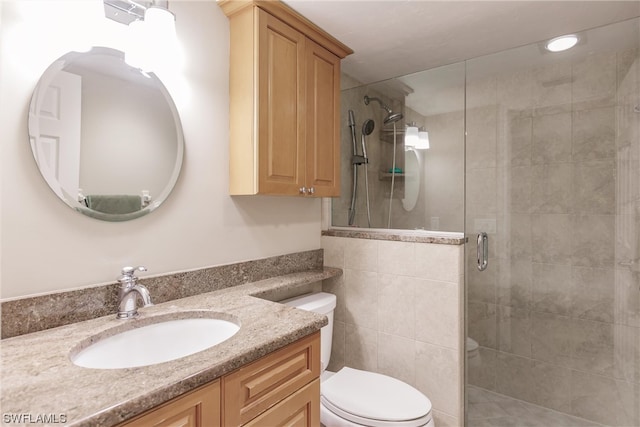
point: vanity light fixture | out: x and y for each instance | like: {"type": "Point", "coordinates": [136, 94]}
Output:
{"type": "Point", "coordinates": [411, 135]}
{"type": "Point", "coordinates": [423, 139]}
{"type": "Point", "coordinates": [152, 30]}
{"type": "Point", "coordinates": [559, 44]}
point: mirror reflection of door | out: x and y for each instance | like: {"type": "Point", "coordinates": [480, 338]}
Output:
{"type": "Point", "coordinates": [57, 137]}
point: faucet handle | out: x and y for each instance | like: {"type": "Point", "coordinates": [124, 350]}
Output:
{"type": "Point", "coordinates": [131, 271]}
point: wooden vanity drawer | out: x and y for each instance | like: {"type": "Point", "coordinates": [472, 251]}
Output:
{"type": "Point", "coordinates": [301, 409]}
{"type": "Point", "coordinates": [260, 385]}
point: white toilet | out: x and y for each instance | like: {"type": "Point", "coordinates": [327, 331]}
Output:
{"type": "Point", "coordinates": [351, 397]}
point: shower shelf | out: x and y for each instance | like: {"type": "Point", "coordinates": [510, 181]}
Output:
{"type": "Point", "coordinates": [386, 176]}
{"type": "Point", "coordinates": [386, 135]}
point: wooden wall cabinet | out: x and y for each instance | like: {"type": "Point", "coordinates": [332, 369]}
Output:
{"type": "Point", "coordinates": [279, 389]}
{"type": "Point", "coordinates": [284, 102]}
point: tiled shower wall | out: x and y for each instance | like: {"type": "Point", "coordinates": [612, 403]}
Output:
{"type": "Point", "coordinates": [400, 313]}
{"type": "Point", "coordinates": [553, 165]}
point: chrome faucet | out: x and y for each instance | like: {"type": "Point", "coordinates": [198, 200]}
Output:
{"type": "Point", "coordinates": [129, 291]}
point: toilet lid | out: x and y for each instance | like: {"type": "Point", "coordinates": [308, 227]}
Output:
{"type": "Point", "coordinates": [374, 396]}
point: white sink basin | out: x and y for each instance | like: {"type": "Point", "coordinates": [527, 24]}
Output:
{"type": "Point", "coordinates": [155, 343]}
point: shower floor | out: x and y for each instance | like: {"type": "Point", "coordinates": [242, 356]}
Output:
{"type": "Point", "coordinates": [488, 409]}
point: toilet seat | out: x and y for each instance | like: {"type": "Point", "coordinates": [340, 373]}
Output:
{"type": "Point", "coordinates": [375, 400]}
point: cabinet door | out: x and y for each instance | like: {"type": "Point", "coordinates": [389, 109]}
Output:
{"type": "Point", "coordinates": [301, 409]}
{"type": "Point", "coordinates": [199, 408]}
{"type": "Point", "coordinates": [323, 121]}
{"type": "Point", "coordinates": [281, 120]}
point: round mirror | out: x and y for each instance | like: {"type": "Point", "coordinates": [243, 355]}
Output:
{"type": "Point", "coordinates": [106, 136]}
{"type": "Point", "coordinates": [412, 178]}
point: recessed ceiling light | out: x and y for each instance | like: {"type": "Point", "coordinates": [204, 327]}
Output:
{"type": "Point", "coordinates": [558, 44]}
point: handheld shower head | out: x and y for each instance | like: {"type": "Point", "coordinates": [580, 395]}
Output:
{"type": "Point", "coordinates": [391, 116]}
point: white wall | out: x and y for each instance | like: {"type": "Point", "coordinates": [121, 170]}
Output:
{"type": "Point", "coordinates": [46, 246]}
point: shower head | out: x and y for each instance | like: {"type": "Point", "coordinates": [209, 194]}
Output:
{"type": "Point", "coordinates": [367, 128]}
{"type": "Point", "coordinates": [391, 116]}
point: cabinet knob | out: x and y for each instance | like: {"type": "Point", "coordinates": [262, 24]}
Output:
{"type": "Point", "coordinates": [303, 190]}
{"type": "Point", "coordinates": [312, 190]}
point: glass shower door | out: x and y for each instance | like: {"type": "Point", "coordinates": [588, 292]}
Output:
{"type": "Point", "coordinates": [553, 179]}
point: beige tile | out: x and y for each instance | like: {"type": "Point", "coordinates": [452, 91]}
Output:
{"type": "Point", "coordinates": [514, 284]}
{"type": "Point", "coordinates": [481, 193]}
{"type": "Point", "coordinates": [396, 305]}
{"type": "Point", "coordinates": [361, 254]}
{"type": "Point", "coordinates": [396, 257]}
{"type": "Point", "coordinates": [551, 288]}
{"type": "Point", "coordinates": [551, 188]}
{"type": "Point", "coordinates": [361, 348]}
{"type": "Point", "coordinates": [593, 240]}
{"type": "Point", "coordinates": [519, 140]}
{"type": "Point", "coordinates": [444, 420]}
{"type": "Point", "coordinates": [439, 262]}
{"type": "Point", "coordinates": [594, 77]}
{"type": "Point", "coordinates": [437, 313]}
{"type": "Point", "coordinates": [551, 386]}
{"type": "Point", "coordinates": [552, 84]}
{"type": "Point", "coordinates": [336, 286]}
{"type": "Point", "coordinates": [551, 142]}
{"type": "Point", "coordinates": [485, 410]}
{"type": "Point", "coordinates": [514, 330]}
{"type": "Point", "coordinates": [515, 90]}
{"type": "Point", "coordinates": [481, 93]}
{"type": "Point", "coordinates": [594, 187]}
{"type": "Point", "coordinates": [604, 400]}
{"type": "Point", "coordinates": [481, 285]}
{"type": "Point", "coordinates": [481, 369]}
{"type": "Point", "coordinates": [438, 377]}
{"type": "Point", "coordinates": [551, 238]}
{"type": "Point", "coordinates": [481, 324]}
{"type": "Point", "coordinates": [519, 239]}
{"type": "Point", "coordinates": [397, 357]}
{"type": "Point", "coordinates": [333, 251]}
{"type": "Point", "coordinates": [521, 189]}
{"type": "Point", "coordinates": [593, 347]}
{"type": "Point", "coordinates": [514, 376]}
{"type": "Point", "coordinates": [361, 298]}
{"type": "Point", "coordinates": [593, 134]}
{"type": "Point", "coordinates": [627, 353]}
{"type": "Point", "coordinates": [627, 297]}
{"type": "Point", "coordinates": [481, 137]}
{"type": "Point", "coordinates": [593, 292]}
{"type": "Point", "coordinates": [552, 338]}
{"type": "Point", "coordinates": [337, 347]}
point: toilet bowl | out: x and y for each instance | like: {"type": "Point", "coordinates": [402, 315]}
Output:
{"type": "Point", "coordinates": [352, 397]}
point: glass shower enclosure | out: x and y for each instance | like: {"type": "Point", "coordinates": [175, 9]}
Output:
{"type": "Point", "coordinates": [541, 152]}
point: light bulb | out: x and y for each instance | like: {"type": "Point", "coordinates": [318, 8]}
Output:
{"type": "Point", "coordinates": [561, 43]}
{"type": "Point", "coordinates": [411, 136]}
{"type": "Point", "coordinates": [423, 140]}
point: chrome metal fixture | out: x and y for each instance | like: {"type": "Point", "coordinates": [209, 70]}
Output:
{"type": "Point", "coordinates": [129, 291]}
{"type": "Point", "coordinates": [391, 116]}
{"type": "Point", "coordinates": [128, 11]}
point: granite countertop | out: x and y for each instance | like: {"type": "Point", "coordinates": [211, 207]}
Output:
{"type": "Point", "coordinates": [39, 379]}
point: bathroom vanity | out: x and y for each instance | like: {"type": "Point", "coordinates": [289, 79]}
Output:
{"type": "Point", "coordinates": [278, 389]}
{"type": "Point", "coordinates": [265, 374]}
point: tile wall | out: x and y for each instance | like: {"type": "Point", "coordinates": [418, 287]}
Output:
{"type": "Point", "coordinates": [400, 313]}
{"type": "Point", "coordinates": [553, 165]}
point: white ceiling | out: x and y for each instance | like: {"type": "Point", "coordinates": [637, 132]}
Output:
{"type": "Point", "coordinates": [392, 38]}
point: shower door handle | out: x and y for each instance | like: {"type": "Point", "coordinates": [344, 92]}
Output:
{"type": "Point", "coordinates": [483, 251]}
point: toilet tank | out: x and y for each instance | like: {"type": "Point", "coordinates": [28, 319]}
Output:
{"type": "Point", "coordinates": [322, 303]}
